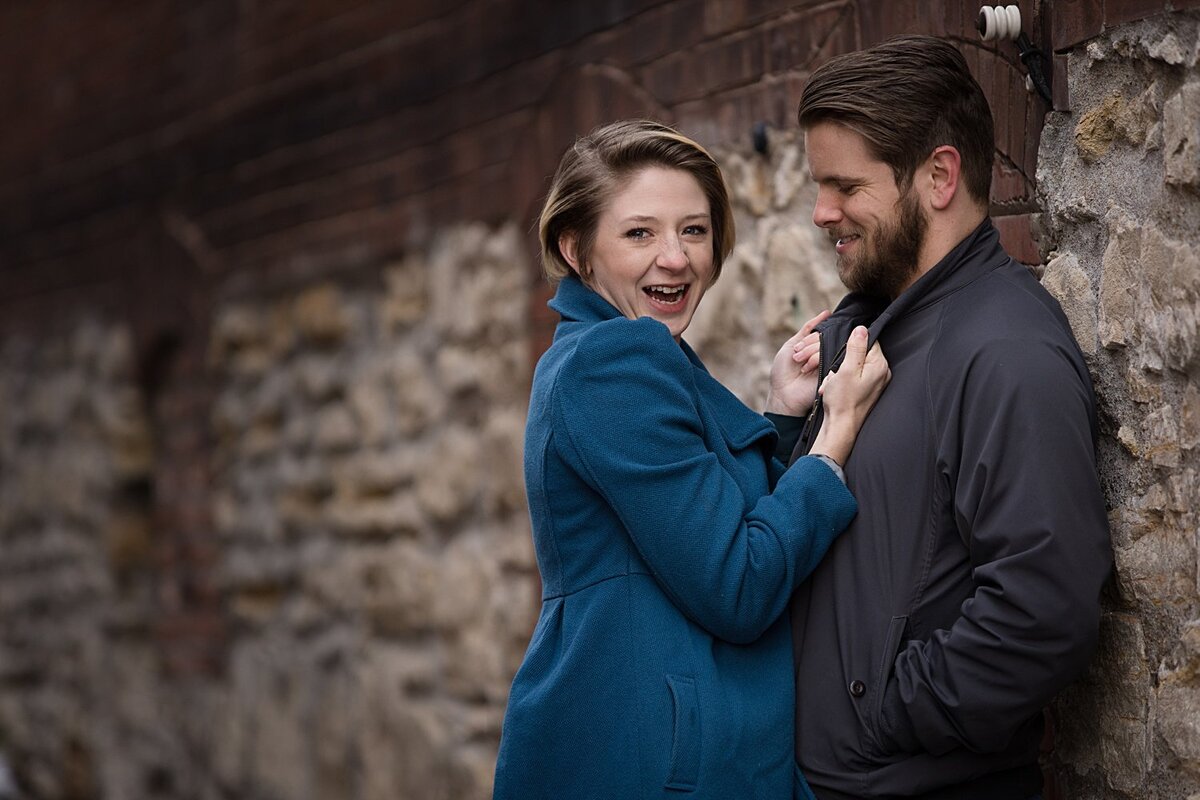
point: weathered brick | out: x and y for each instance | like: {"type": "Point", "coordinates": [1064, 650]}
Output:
{"type": "Point", "coordinates": [1075, 21]}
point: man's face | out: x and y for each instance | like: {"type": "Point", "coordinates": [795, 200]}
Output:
{"type": "Point", "coordinates": [877, 230]}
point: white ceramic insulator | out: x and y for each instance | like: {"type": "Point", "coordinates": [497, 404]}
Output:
{"type": "Point", "coordinates": [989, 23]}
{"type": "Point", "coordinates": [1014, 21]}
{"type": "Point", "coordinates": [1000, 23]}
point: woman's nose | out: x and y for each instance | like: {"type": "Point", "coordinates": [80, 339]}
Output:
{"type": "Point", "coordinates": [672, 255]}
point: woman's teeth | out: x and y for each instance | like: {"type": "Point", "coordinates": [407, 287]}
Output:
{"type": "Point", "coordinates": [667, 294]}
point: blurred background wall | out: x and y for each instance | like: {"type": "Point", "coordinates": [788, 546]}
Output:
{"type": "Point", "coordinates": [269, 307]}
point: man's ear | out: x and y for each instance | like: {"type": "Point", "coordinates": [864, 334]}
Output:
{"type": "Point", "coordinates": [944, 171]}
{"type": "Point", "coordinates": [568, 245]}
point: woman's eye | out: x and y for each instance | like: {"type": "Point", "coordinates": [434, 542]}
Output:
{"type": "Point", "coordinates": [637, 233]}
{"type": "Point", "coordinates": [695, 230]}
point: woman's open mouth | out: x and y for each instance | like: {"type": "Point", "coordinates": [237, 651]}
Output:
{"type": "Point", "coordinates": [667, 298]}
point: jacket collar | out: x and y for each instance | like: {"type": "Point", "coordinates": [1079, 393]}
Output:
{"type": "Point", "coordinates": [976, 255]}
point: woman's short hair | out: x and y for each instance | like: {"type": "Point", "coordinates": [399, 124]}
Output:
{"type": "Point", "coordinates": [906, 97]}
{"type": "Point", "coordinates": [598, 164]}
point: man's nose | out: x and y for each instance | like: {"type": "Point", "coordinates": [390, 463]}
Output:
{"type": "Point", "coordinates": [826, 212]}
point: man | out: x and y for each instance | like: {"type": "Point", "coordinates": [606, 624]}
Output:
{"type": "Point", "coordinates": [966, 593]}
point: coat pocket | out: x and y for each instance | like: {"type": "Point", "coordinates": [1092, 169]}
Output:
{"type": "Point", "coordinates": [887, 667]}
{"type": "Point", "coordinates": [684, 767]}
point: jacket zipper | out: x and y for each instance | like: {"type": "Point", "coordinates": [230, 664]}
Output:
{"type": "Point", "coordinates": [811, 422]}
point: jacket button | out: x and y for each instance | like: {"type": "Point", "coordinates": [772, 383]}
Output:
{"type": "Point", "coordinates": [857, 688]}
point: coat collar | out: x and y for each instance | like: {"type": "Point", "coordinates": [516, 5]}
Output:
{"type": "Point", "coordinates": [581, 307]}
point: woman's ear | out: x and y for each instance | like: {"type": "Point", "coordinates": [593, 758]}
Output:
{"type": "Point", "coordinates": [568, 245]}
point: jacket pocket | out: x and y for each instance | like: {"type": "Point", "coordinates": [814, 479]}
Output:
{"type": "Point", "coordinates": [887, 667]}
{"type": "Point", "coordinates": [684, 767]}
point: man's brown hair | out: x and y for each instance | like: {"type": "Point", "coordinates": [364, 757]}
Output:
{"type": "Point", "coordinates": [906, 97]}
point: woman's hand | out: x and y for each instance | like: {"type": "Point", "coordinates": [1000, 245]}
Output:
{"type": "Point", "coordinates": [849, 395]}
{"type": "Point", "coordinates": [794, 371]}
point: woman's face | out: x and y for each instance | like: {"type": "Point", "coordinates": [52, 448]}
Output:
{"type": "Point", "coordinates": [653, 252]}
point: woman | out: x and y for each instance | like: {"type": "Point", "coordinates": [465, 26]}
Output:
{"type": "Point", "coordinates": [667, 537]}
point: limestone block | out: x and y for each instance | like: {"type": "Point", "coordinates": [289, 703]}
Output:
{"type": "Point", "coordinates": [369, 473]}
{"type": "Point", "coordinates": [790, 179]}
{"type": "Point", "coordinates": [417, 400]}
{"type": "Point", "coordinates": [405, 753]}
{"type": "Point", "coordinates": [340, 711]}
{"type": "Point", "coordinates": [385, 516]}
{"type": "Point", "coordinates": [466, 566]}
{"type": "Point", "coordinates": [1189, 437]}
{"type": "Point", "coordinates": [335, 428]}
{"type": "Point", "coordinates": [726, 330]}
{"type": "Point", "coordinates": [498, 373]}
{"type": "Point", "coordinates": [369, 396]}
{"type": "Point", "coordinates": [449, 481]}
{"type": "Point", "coordinates": [1160, 567]}
{"type": "Point", "coordinates": [1103, 718]}
{"type": "Point", "coordinates": [279, 749]}
{"type": "Point", "coordinates": [236, 329]}
{"type": "Point", "coordinates": [1181, 135]}
{"type": "Point", "coordinates": [749, 182]}
{"type": "Point", "coordinates": [321, 376]}
{"type": "Point", "coordinates": [801, 278]}
{"type": "Point", "coordinates": [406, 299]}
{"type": "Point", "coordinates": [1178, 719]}
{"type": "Point", "coordinates": [478, 284]}
{"type": "Point", "coordinates": [392, 587]}
{"type": "Point", "coordinates": [1119, 118]}
{"type": "Point", "coordinates": [472, 772]}
{"type": "Point", "coordinates": [501, 455]}
{"type": "Point", "coordinates": [1072, 288]}
{"type": "Point", "coordinates": [404, 743]}
{"type": "Point", "coordinates": [1120, 284]}
{"type": "Point", "coordinates": [322, 315]}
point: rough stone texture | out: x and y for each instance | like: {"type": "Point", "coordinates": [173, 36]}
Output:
{"type": "Point", "coordinates": [1120, 179]}
{"type": "Point", "coordinates": [375, 557]}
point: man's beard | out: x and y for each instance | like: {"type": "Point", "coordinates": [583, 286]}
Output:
{"type": "Point", "coordinates": [887, 261]}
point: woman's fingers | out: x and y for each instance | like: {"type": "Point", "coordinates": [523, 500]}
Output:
{"type": "Point", "coordinates": [856, 350]}
{"type": "Point", "coordinates": [807, 327]}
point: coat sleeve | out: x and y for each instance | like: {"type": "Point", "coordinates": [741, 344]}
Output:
{"type": "Point", "coordinates": [626, 400]}
{"type": "Point", "coordinates": [1020, 456]}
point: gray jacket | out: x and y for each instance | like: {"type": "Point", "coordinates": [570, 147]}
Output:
{"type": "Point", "coordinates": [966, 593]}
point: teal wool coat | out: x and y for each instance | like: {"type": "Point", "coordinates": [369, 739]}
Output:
{"type": "Point", "coordinates": [669, 542]}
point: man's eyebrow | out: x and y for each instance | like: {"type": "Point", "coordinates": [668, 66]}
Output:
{"type": "Point", "coordinates": [836, 179]}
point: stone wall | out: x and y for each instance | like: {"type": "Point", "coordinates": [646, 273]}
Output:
{"type": "Point", "coordinates": [1120, 176]}
{"type": "Point", "coordinates": [376, 567]}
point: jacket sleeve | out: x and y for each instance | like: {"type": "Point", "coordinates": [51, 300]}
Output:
{"type": "Point", "coordinates": [1017, 449]}
{"type": "Point", "coordinates": [627, 402]}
